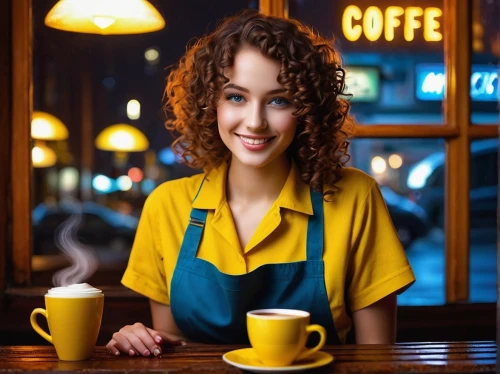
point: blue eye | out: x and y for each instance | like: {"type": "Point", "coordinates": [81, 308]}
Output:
{"type": "Point", "coordinates": [279, 101]}
{"type": "Point", "coordinates": [234, 98]}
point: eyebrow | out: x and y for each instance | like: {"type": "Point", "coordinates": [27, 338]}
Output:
{"type": "Point", "coordinates": [239, 88]}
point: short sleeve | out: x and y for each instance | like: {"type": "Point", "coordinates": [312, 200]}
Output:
{"type": "Point", "coordinates": [145, 272]}
{"type": "Point", "coordinates": [378, 265]}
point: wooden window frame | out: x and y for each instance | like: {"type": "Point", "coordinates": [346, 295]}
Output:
{"type": "Point", "coordinates": [457, 131]}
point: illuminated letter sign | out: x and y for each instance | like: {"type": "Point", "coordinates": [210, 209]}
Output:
{"type": "Point", "coordinates": [351, 32]}
{"type": "Point", "coordinates": [373, 22]}
{"type": "Point", "coordinates": [431, 82]}
{"type": "Point", "coordinates": [411, 23]}
{"type": "Point", "coordinates": [392, 21]}
{"type": "Point", "coordinates": [431, 25]}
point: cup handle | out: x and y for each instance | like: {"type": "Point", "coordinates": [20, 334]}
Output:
{"type": "Point", "coordinates": [322, 340]}
{"type": "Point", "coordinates": [35, 325]}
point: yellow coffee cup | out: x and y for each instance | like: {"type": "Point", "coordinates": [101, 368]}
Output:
{"type": "Point", "coordinates": [279, 336]}
{"type": "Point", "coordinates": [74, 322]}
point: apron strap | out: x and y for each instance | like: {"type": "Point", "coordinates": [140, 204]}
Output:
{"type": "Point", "coordinates": [315, 228]}
{"type": "Point", "coordinates": [194, 230]}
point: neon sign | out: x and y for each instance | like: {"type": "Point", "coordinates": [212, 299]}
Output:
{"type": "Point", "coordinates": [374, 22]}
{"type": "Point", "coordinates": [363, 83]}
{"type": "Point", "coordinates": [431, 82]}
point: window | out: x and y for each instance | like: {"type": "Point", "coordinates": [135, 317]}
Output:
{"type": "Point", "coordinates": [415, 204]}
{"type": "Point", "coordinates": [483, 220]}
{"type": "Point", "coordinates": [92, 82]}
{"type": "Point", "coordinates": [485, 54]}
{"type": "Point", "coordinates": [397, 73]}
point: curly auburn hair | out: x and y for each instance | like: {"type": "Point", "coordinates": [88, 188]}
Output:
{"type": "Point", "coordinates": [311, 73]}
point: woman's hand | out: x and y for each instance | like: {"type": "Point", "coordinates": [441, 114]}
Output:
{"type": "Point", "coordinates": [139, 340]}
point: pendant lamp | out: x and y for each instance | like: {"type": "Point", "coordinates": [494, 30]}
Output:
{"type": "Point", "coordinates": [45, 126]}
{"type": "Point", "coordinates": [42, 156]}
{"type": "Point", "coordinates": [105, 17]}
{"type": "Point", "coordinates": [122, 137]}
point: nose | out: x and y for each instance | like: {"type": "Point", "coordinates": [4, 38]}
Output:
{"type": "Point", "coordinates": [255, 120]}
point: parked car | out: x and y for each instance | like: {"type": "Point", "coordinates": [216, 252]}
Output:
{"type": "Point", "coordinates": [409, 219]}
{"type": "Point", "coordinates": [426, 181]}
{"type": "Point", "coordinates": [100, 227]}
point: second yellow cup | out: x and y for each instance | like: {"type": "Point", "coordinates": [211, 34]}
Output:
{"type": "Point", "coordinates": [279, 336]}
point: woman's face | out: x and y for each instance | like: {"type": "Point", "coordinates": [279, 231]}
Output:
{"type": "Point", "coordinates": [254, 113]}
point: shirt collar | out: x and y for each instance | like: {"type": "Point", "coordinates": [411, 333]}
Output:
{"type": "Point", "coordinates": [212, 192]}
{"type": "Point", "coordinates": [295, 194]}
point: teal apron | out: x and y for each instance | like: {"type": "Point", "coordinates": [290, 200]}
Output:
{"type": "Point", "coordinates": [210, 306]}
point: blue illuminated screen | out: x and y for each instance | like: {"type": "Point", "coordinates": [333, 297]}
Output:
{"type": "Point", "coordinates": [431, 82]}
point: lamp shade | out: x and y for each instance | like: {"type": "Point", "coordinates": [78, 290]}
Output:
{"type": "Point", "coordinates": [122, 138]}
{"type": "Point", "coordinates": [42, 156]}
{"type": "Point", "coordinates": [45, 126]}
{"type": "Point", "coordinates": [105, 17]}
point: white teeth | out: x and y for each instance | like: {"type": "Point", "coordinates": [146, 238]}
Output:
{"type": "Point", "coordinates": [254, 141]}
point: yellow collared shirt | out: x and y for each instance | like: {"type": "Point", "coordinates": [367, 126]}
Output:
{"type": "Point", "coordinates": [364, 260]}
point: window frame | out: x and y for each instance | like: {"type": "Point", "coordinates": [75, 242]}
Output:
{"type": "Point", "coordinates": [457, 131]}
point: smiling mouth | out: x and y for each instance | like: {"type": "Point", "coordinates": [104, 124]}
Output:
{"type": "Point", "coordinates": [255, 141]}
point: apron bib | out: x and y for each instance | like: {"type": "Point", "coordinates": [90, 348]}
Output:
{"type": "Point", "coordinates": [210, 306]}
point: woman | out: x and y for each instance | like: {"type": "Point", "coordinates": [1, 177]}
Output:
{"type": "Point", "coordinates": [276, 220]}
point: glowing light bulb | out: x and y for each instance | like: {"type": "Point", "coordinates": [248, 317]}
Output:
{"type": "Point", "coordinates": [122, 140]}
{"type": "Point", "coordinates": [103, 22]}
{"type": "Point", "coordinates": [151, 54]}
{"type": "Point", "coordinates": [37, 155]}
{"type": "Point", "coordinates": [102, 183]}
{"type": "Point", "coordinates": [395, 161]}
{"type": "Point", "coordinates": [124, 182]}
{"type": "Point", "coordinates": [43, 156]}
{"type": "Point", "coordinates": [133, 109]}
{"type": "Point", "coordinates": [135, 174]}
{"type": "Point", "coordinates": [378, 165]}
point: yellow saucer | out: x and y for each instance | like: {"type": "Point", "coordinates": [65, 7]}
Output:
{"type": "Point", "coordinates": [246, 359]}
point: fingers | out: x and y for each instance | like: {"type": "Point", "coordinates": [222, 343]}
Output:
{"type": "Point", "coordinates": [124, 344]}
{"type": "Point", "coordinates": [162, 338]}
{"type": "Point", "coordinates": [111, 347]}
{"type": "Point", "coordinates": [135, 340]}
{"type": "Point", "coordinates": [143, 342]}
{"type": "Point", "coordinates": [155, 335]}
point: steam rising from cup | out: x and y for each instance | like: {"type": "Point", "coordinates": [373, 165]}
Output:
{"type": "Point", "coordinates": [84, 261]}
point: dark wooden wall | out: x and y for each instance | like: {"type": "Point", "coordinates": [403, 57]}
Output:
{"type": "Point", "coordinates": [427, 323]}
{"type": "Point", "coordinates": [5, 138]}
